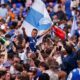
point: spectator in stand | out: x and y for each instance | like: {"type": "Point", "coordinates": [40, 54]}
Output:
{"type": "Point", "coordinates": [15, 10]}
{"type": "Point", "coordinates": [69, 62]}
{"type": "Point", "coordinates": [60, 14]}
{"type": "Point", "coordinates": [10, 15]}
{"type": "Point", "coordinates": [1, 60]}
{"type": "Point", "coordinates": [2, 73]}
{"type": "Point", "coordinates": [3, 11]}
{"type": "Point", "coordinates": [33, 39]}
{"type": "Point", "coordinates": [74, 74]}
{"type": "Point", "coordinates": [50, 9]}
{"type": "Point", "coordinates": [53, 58]}
{"type": "Point", "coordinates": [8, 76]}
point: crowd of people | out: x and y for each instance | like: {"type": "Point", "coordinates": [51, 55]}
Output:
{"type": "Point", "coordinates": [53, 58]}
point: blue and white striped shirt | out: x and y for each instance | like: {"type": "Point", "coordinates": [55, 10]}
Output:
{"type": "Point", "coordinates": [74, 74]}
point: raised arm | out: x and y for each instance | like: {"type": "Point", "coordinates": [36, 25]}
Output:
{"type": "Point", "coordinates": [24, 32]}
{"type": "Point", "coordinates": [52, 52]}
{"type": "Point", "coordinates": [40, 56]}
{"type": "Point", "coordinates": [45, 32]}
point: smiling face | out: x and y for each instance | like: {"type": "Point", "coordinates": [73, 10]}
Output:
{"type": "Point", "coordinates": [34, 33]}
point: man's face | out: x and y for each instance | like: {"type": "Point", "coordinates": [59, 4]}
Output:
{"type": "Point", "coordinates": [46, 45]}
{"type": "Point", "coordinates": [14, 6]}
{"type": "Point", "coordinates": [41, 68]}
{"type": "Point", "coordinates": [34, 33]}
{"type": "Point", "coordinates": [2, 59]}
{"type": "Point", "coordinates": [16, 60]}
{"type": "Point", "coordinates": [63, 1]}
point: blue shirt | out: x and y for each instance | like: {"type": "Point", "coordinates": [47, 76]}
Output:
{"type": "Point", "coordinates": [39, 73]}
{"type": "Point", "coordinates": [74, 74]}
{"type": "Point", "coordinates": [69, 62]}
{"type": "Point", "coordinates": [18, 5]}
{"type": "Point", "coordinates": [24, 13]}
{"type": "Point", "coordinates": [11, 33]}
{"type": "Point", "coordinates": [32, 42]}
{"type": "Point", "coordinates": [67, 8]}
{"type": "Point", "coordinates": [15, 11]}
{"type": "Point", "coordinates": [5, 1]}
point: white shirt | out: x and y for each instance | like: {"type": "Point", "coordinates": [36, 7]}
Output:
{"type": "Point", "coordinates": [3, 12]}
{"type": "Point", "coordinates": [23, 57]}
{"type": "Point", "coordinates": [53, 76]}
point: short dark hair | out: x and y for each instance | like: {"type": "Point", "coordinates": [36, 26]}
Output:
{"type": "Point", "coordinates": [43, 64]}
{"type": "Point", "coordinates": [2, 73]}
{"type": "Point", "coordinates": [19, 67]}
{"type": "Point", "coordinates": [2, 55]}
{"type": "Point", "coordinates": [35, 30]}
{"type": "Point", "coordinates": [68, 49]}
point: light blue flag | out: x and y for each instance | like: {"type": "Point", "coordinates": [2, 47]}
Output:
{"type": "Point", "coordinates": [37, 17]}
{"type": "Point", "coordinates": [74, 26]}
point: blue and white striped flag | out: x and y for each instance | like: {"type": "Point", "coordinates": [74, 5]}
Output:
{"type": "Point", "coordinates": [37, 18]}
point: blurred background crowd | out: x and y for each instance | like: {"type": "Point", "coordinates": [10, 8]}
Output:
{"type": "Point", "coordinates": [53, 58]}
